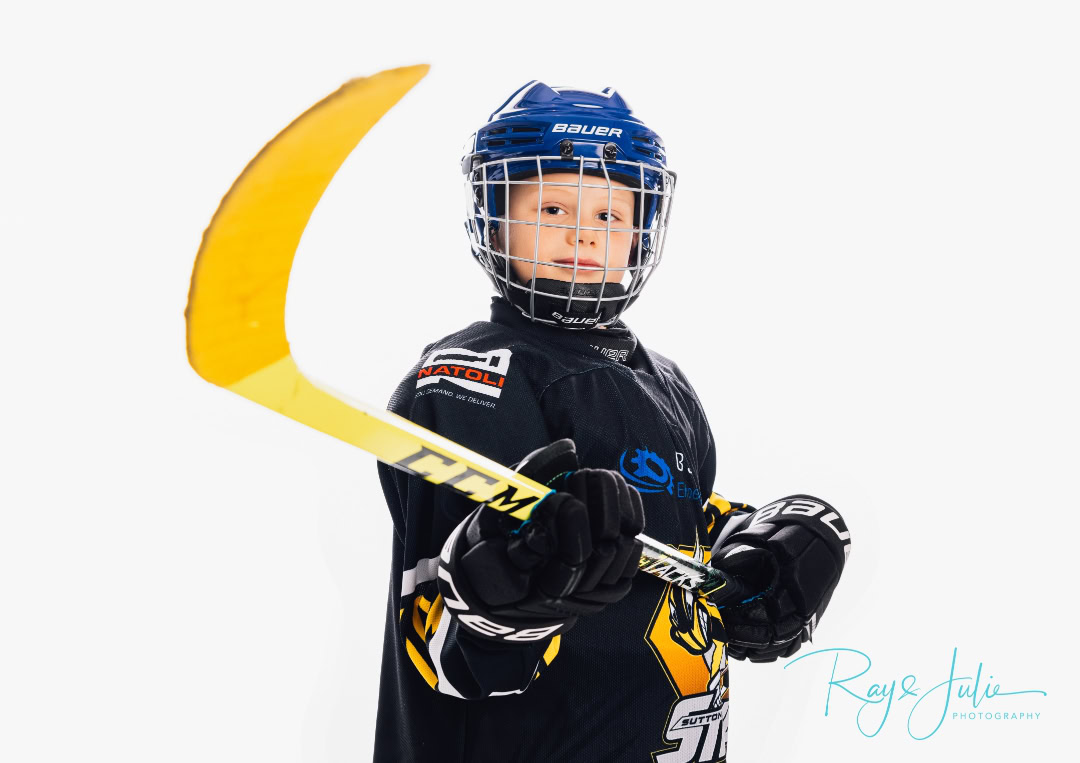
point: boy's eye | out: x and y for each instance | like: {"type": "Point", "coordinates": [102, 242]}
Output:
{"type": "Point", "coordinates": [552, 210]}
{"type": "Point", "coordinates": [605, 215]}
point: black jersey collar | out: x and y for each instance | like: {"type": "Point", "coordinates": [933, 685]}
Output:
{"type": "Point", "coordinates": [616, 342]}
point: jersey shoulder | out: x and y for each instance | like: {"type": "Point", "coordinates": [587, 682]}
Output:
{"type": "Point", "coordinates": [481, 387]}
{"type": "Point", "coordinates": [671, 371]}
{"type": "Point", "coordinates": [486, 356]}
{"type": "Point", "coordinates": [488, 362]}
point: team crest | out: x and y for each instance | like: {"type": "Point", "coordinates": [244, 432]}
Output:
{"type": "Point", "coordinates": [685, 635]}
{"type": "Point", "coordinates": [646, 471]}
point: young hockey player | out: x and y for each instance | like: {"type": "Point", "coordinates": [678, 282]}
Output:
{"type": "Point", "coordinates": [529, 643]}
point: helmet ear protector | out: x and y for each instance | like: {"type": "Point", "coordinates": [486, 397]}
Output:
{"type": "Point", "coordinates": [541, 131]}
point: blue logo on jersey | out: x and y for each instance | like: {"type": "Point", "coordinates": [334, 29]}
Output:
{"type": "Point", "coordinates": [646, 471]}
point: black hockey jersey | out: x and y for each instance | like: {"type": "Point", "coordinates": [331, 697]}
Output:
{"type": "Point", "coordinates": [644, 680]}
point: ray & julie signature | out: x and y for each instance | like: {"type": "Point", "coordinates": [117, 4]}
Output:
{"type": "Point", "coordinates": [929, 706]}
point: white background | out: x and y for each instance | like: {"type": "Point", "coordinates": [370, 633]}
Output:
{"type": "Point", "coordinates": [870, 281]}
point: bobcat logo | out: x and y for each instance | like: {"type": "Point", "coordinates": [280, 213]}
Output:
{"type": "Point", "coordinates": [684, 636]}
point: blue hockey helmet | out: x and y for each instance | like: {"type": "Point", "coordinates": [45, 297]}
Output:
{"type": "Point", "coordinates": [541, 130]}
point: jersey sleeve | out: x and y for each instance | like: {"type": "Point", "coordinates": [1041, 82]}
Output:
{"type": "Point", "coordinates": [504, 427]}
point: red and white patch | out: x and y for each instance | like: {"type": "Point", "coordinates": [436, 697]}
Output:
{"type": "Point", "coordinates": [480, 372]}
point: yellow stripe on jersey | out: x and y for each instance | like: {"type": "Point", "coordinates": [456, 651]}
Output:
{"type": "Point", "coordinates": [722, 504]}
{"type": "Point", "coordinates": [417, 622]}
{"type": "Point", "coordinates": [426, 616]}
{"type": "Point", "coordinates": [552, 650]}
{"type": "Point", "coordinates": [434, 615]}
{"type": "Point", "coordinates": [418, 661]}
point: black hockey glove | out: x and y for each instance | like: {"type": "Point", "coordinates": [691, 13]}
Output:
{"type": "Point", "coordinates": [792, 552]}
{"type": "Point", "coordinates": [576, 554]}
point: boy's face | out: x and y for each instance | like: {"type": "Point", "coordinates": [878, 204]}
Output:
{"type": "Point", "coordinates": [555, 246]}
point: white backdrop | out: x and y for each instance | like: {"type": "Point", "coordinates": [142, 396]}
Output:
{"type": "Point", "coordinates": [870, 281]}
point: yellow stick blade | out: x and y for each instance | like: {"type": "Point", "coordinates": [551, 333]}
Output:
{"type": "Point", "coordinates": [236, 307]}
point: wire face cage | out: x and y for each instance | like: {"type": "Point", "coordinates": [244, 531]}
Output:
{"type": "Point", "coordinates": [530, 259]}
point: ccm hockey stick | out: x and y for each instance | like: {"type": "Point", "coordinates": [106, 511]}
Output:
{"type": "Point", "coordinates": [236, 316]}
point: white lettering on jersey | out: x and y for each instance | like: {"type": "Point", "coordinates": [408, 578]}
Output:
{"type": "Point", "coordinates": [700, 728]}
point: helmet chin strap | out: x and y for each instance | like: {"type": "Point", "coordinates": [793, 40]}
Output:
{"type": "Point", "coordinates": [581, 314]}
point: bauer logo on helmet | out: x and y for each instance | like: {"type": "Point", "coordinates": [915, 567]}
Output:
{"type": "Point", "coordinates": [614, 132]}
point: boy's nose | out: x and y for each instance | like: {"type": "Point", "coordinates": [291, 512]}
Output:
{"type": "Point", "coordinates": [582, 236]}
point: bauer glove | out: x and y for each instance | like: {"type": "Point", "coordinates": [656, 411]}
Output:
{"type": "Point", "coordinates": [792, 553]}
{"type": "Point", "coordinates": [576, 554]}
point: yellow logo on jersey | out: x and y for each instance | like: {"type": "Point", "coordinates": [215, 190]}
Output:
{"type": "Point", "coordinates": [684, 634]}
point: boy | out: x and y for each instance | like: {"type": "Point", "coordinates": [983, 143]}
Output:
{"type": "Point", "coordinates": [538, 643]}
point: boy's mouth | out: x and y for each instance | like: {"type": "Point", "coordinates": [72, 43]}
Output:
{"type": "Point", "coordinates": [581, 261]}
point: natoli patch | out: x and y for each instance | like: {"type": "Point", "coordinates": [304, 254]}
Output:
{"type": "Point", "coordinates": [481, 372]}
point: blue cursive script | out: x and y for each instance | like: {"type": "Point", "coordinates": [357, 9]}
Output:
{"type": "Point", "coordinates": [960, 687]}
